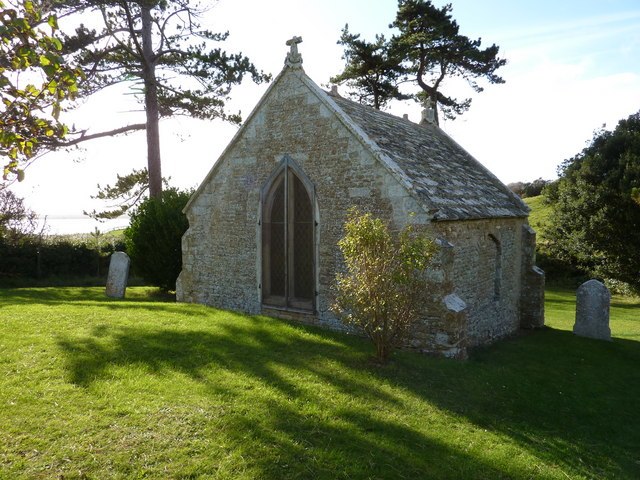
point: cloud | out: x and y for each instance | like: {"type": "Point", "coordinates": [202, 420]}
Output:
{"type": "Point", "coordinates": [587, 28]}
{"type": "Point", "coordinates": [524, 129]}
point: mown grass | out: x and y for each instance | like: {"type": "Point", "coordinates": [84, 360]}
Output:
{"type": "Point", "coordinates": [97, 388]}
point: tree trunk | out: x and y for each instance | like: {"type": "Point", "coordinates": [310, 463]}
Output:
{"type": "Point", "coordinates": [151, 105]}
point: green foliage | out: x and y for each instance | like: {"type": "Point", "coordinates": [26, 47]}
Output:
{"type": "Point", "coordinates": [28, 257]}
{"type": "Point", "coordinates": [595, 223]}
{"type": "Point", "coordinates": [34, 82]}
{"type": "Point", "coordinates": [427, 50]}
{"type": "Point", "coordinates": [372, 70]}
{"type": "Point", "coordinates": [529, 189]}
{"type": "Point", "coordinates": [127, 192]}
{"type": "Point", "coordinates": [16, 220]}
{"type": "Point", "coordinates": [383, 291]}
{"type": "Point", "coordinates": [154, 238]}
{"type": "Point", "coordinates": [556, 270]}
{"type": "Point", "coordinates": [433, 49]}
{"type": "Point", "coordinates": [42, 260]}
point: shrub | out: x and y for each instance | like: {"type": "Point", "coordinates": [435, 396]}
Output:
{"type": "Point", "coordinates": [382, 292]}
{"type": "Point", "coordinates": [62, 259]}
{"type": "Point", "coordinates": [595, 219]}
{"type": "Point", "coordinates": [16, 220]}
{"type": "Point", "coordinates": [154, 238]}
{"type": "Point", "coordinates": [529, 189]}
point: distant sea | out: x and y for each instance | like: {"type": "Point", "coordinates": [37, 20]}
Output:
{"type": "Point", "coordinates": [60, 225]}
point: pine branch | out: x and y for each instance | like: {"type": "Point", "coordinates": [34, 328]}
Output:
{"type": "Point", "coordinates": [110, 133]}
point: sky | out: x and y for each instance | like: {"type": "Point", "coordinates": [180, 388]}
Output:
{"type": "Point", "coordinates": [573, 66]}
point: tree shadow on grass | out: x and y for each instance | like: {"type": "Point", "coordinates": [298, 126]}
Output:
{"type": "Point", "coordinates": [30, 296]}
{"type": "Point", "coordinates": [567, 400]}
{"type": "Point", "coordinates": [559, 395]}
{"type": "Point", "coordinates": [353, 444]}
{"type": "Point", "coordinates": [149, 299]}
{"type": "Point", "coordinates": [250, 347]}
{"type": "Point", "coordinates": [285, 441]}
{"type": "Point", "coordinates": [626, 305]}
{"type": "Point", "coordinates": [63, 295]}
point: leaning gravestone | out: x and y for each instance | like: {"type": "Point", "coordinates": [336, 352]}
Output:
{"type": "Point", "coordinates": [118, 275]}
{"type": "Point", "coordinates": [592, 311]}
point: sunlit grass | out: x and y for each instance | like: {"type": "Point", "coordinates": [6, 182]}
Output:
{"type": "Point", "coordinates": [97, 388]}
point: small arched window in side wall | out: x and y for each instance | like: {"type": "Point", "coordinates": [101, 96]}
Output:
{"type": "Point", "coordinates": [288, 239]}
{"type": "Point", "coordinates": [497, 274]}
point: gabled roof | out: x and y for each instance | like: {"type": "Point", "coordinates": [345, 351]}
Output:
{"type": "Point", "coordinates": [439, 171]}
{"type": "Point", "coordinates": [436, 171]}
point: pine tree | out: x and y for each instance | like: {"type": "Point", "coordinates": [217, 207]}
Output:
{"type": "Point", "coordinates": [159, 47]}
{"type": "Point", "coordinates": [372, 70]}
{"type": "Point", "coordinates": [433, 50]}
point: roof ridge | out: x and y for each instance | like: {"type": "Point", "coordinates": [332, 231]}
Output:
{"type": "Point", "coordinates": [358, 104]}
{"type": "Point", "coordinates": [439, 168]}
{"type": "Point", "coordinates": [389, 163]}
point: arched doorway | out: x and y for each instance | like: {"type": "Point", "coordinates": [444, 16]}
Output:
{"type": "Point", "coordinates": [288, 239]}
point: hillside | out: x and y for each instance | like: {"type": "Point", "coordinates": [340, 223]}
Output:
{"type": "Point", "coordinates": [539, 215]}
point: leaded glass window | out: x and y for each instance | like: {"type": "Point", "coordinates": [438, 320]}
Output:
{"type": "Point", "coordinates": [288, 229]}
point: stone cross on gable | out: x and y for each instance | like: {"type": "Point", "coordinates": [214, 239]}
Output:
{"type": "Point", "coordinates": [294, 59]}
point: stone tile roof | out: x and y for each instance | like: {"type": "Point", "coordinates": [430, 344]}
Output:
{"type": "Point", "coordinates": [442, 174]}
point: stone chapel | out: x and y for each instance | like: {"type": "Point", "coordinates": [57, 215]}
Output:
{"type": "Point", "coordinates": [265, 222]}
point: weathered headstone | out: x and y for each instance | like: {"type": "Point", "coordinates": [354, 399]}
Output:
{"type": "Point", "coordinates": [118, 275]}
{"type": "Point", "coordinates": [592, 311]}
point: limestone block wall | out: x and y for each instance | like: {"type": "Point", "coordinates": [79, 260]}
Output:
{"type": "Point", "coordinates": [221, 249]}
{"type": "Point", "coordinates": [443, 329]}
{"type": "Point", "coordinates": [487, 263]}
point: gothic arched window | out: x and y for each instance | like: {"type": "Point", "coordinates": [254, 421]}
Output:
{"type": "Point", "coordinates": [497, 274]}
{"type": "Point", "coordinates": [288, 246]}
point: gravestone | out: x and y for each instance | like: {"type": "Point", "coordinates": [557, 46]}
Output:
{"type": "Point", "coordinates": [118, 275]}
{"type": "Point", "coordinates": [592, 311]}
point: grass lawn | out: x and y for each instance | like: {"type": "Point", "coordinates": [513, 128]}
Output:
{"type": "Point", "coordinates": [98, 388]}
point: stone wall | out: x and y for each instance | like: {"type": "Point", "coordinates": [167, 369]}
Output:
{"type": "Point", "coordinates": [221, 249]}
{"type": "Point", "coordinates": [444, 329]}
{"type": "Point", "coordinates": [486, 272]}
